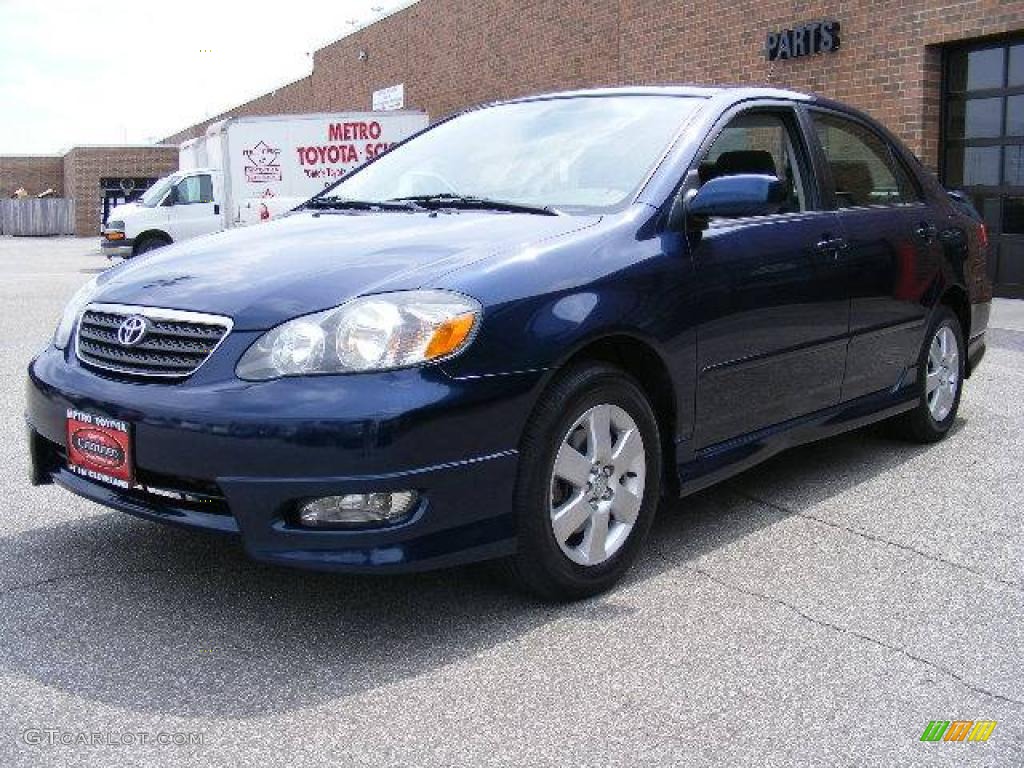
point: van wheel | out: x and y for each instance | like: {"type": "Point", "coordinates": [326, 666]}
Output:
{"type": "Point", "coordinates": [151, 243]}
{"type": "Point", "coordinates": [588, 486]}
{"type": "Point", "coordinates": [940, 375]}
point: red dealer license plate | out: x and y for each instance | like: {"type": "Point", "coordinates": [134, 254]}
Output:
{"type": "Point", "coordinates": [100, 448]}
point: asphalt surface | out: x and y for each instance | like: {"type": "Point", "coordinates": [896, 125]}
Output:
{"type": "Point", "coordinates": [818, 610]}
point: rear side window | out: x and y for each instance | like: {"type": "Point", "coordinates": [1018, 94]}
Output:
{"type": "Point", "coordinates": [863, 169]}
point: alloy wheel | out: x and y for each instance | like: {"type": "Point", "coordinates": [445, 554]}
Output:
{"type": "Point", "coordinates": [943, 374]}
{"type": "Point", "coordinates": [597, 484]}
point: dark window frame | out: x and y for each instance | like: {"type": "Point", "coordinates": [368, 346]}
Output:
{"type": "Point", "coordinates": [788, 112]}
{"type": "Point", "coordinates": [899, 165]}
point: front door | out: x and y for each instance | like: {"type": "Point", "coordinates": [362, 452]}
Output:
{"type": "Point", "coordinates": [194, 211]}
{"type": "Point", "coordinates": [772, 342]}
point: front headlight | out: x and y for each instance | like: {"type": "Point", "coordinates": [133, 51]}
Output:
{"type": "Point", "coordinates": [74, 308]}
{"type": "Point", "coordinates": [372, 333]}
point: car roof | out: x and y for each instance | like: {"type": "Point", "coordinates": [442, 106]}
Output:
{"type": "Point", "coordinates": [738, 92]}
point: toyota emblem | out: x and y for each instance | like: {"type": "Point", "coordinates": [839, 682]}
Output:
{"type": "Point", "coordinates": [132, 330]}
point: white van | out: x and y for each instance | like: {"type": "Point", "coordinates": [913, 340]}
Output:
{"type": "Point", "coordinates": [250, 169]}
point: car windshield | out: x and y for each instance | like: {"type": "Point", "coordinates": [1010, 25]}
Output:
{"type": "Point", "coordinates": [581, 154]}
{"type": "Point", "coordinates": [155, 194]}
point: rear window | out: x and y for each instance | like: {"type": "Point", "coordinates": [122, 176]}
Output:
{"type": "Point", "coordinates": [864, 171]}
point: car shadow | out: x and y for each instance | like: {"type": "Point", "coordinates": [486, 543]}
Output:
{"type": "Point", "coordinates": [146, 617]}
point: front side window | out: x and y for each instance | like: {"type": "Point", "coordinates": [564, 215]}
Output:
{"type": "Point", "coordinates": [864, 171]}
{"type": "Point", "coordinates": [759, 143]}
{"type": "Point", "coordinates": [195, 189]}
{"type": "Point", "coordinates": [155, 194]}
{"type": "Point", "coordinates": [583, 154]}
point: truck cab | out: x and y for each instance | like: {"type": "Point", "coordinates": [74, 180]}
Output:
{"type": "Point", "coordinates": [183, 205]}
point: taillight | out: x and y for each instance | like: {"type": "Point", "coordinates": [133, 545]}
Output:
{"type": "Point", "coordinates": [982, 235]}
{"type": "Point", "coordinates": [264, 212]}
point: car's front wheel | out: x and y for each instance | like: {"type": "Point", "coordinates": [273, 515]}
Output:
{"type": "Point", "coordinates": [588, 485]}
{"type": "Point", "coordinates": [150, 243]}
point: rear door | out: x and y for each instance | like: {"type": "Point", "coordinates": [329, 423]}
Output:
{"type": "Point", "coordinates": [773, 298]}
{"type": "Point", "coordinates": [893, 251]}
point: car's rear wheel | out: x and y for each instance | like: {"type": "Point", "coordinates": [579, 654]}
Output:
{"type": "Point", "coordinates": [588, 485]}
{"type": "Point", "coordinates": [940, 378]}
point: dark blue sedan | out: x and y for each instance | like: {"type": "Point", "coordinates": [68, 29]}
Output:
{"type": "Point", "coordinates": [509, 336]}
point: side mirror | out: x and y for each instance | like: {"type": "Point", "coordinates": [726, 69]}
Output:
{"type": "Point", "coordinates": [747, 194]}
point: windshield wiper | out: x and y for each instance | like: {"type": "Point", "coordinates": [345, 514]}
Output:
{"type": "Point", "coordinates": [475, 203]}
{"type": "Point", "coordinates": [341, 203]}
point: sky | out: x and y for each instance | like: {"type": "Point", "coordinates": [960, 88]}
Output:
{"type": "Point", "coordinates": [113, 72]}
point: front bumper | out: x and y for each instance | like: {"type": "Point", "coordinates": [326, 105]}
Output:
{"type": "Point", "coordinates": [121, 248]}
{"type": "Point", "coordinates": [238, 457]}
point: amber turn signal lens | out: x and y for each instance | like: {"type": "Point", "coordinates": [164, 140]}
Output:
{"type": "Point", "coordinates": [450, 336]}
{"type": "Point", "coordinates": [115, 235]}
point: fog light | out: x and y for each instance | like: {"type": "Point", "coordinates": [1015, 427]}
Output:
{"type": "Point", "coordinates": [356, 509]}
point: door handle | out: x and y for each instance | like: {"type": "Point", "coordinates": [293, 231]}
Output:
{"type": "Point", "coordinates": [926, 231]}
{"type": "Point", "coordinates": [832, 245]}
{"type": "Point", "coordinates": [216, 209]}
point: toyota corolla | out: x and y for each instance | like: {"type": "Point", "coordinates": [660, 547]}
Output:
{"type": "Point", "coordinates": [510, 336]}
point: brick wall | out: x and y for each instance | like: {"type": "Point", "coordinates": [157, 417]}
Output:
{"type": "Point", "coordinates": [293, 97]}
{"type": "Point", "coordinates": [455, 53]}
{"type": "Point", "coordinates": [85, 166]}
{"type": "Point", "coordinates": [452, 53]}
{"type": "Point", "coordinates": [34, 173]}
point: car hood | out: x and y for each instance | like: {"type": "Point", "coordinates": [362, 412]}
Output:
{"type": "Point", "coordinates": [267, 273]}
{"type": "Point", "coordinates": [119, 211]}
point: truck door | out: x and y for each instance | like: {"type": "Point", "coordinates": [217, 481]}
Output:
{"type": "Point", "coordinates": [194, 211]}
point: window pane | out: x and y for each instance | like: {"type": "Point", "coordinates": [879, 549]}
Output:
{"type": "Point", "coordinates": [1013, 216]}
{"type": "Point", "coordinates": [1015, 116]}
{"type": "Point", "coordinates": [1017, 64]}
{"type": "Point", "coordinates": [1014, 172]}
{"type": "Point", "coordinates": [972, 166]}
{"type": "Point", "coordinates": [985, 69]}
{"type": "Point", "coordinates": [862, 170]}
{"type": "Point", "coordinates": [757, 143]}
{"type": "Point", "coordinates": [1011, 262]}
{"type": "Point", "coordinates": [988, 207]}
{"type": "Point", "coordinates": [971, 71]}
{"type": "Point", "coordinates": [976, 118]}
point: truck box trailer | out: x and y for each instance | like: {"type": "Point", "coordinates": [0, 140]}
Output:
{"type": "Point", "coordinates": [249, 169]}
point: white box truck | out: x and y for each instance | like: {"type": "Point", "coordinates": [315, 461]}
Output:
{"type": "Point", "coordinates": [250, 169]}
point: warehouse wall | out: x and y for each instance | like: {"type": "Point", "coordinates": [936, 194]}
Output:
{"type": "Point", "coordinates": [451, 53]}
{"type": "Point", "coordinates": [290, 98]}
{"type": "Point", "coordinates": [33, 173]}
{"type": "Point", "coordinates": [85, 166]}
{"type": "Point", "coordinates": [454, 53]}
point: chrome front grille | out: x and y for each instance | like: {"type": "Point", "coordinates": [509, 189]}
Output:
{"type": "Point", "coordinates": [172, 345]}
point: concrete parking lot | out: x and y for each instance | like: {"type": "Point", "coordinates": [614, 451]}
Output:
{"type": "Point", "coordinates": [818, 610]}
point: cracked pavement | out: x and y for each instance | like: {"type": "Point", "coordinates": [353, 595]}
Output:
{"type": "Point", "coordinates": [817, 610]}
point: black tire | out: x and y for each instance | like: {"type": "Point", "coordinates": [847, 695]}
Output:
{"type": "Point", "coordinates": [540, 566]}
{"type": "Point", "coordinates": [151, 243]}
{"type": "Point", "coordinates": [920, 425]}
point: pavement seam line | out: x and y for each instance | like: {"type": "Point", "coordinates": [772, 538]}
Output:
{"type": "Point", "coordinates": [879, 540]}
{"type": "Point", "coordinates": [61, 577]}
{"type": "Point", "coordinates": [837, 628]}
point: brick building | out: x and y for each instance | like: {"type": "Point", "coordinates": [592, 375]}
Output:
{"type": "Point", "coordinates": [33, 173]}
{"type": "Point", "coordinates": [95, 174]}
{"type": "Point", "coordinates": [914, 64]}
